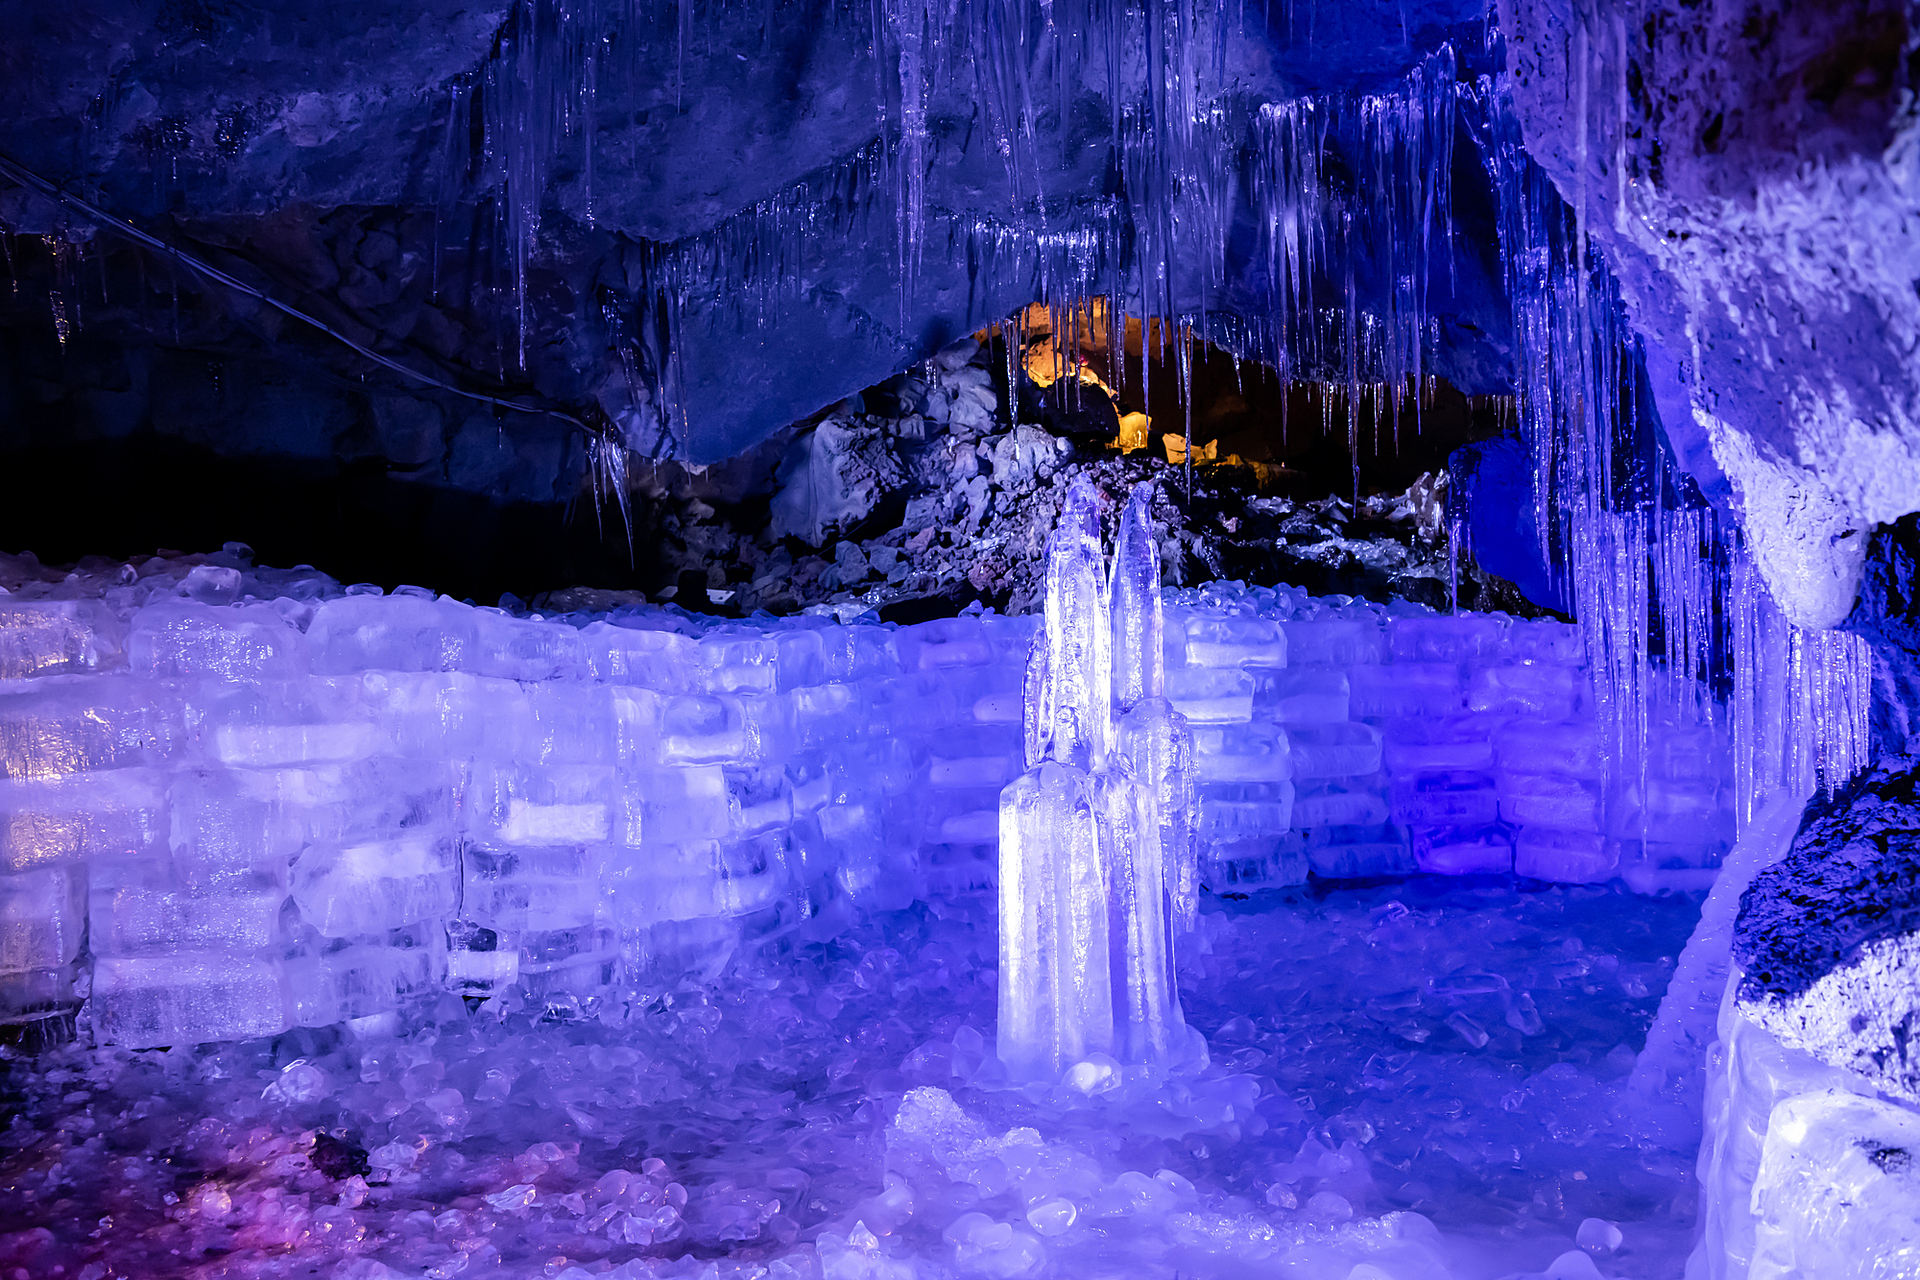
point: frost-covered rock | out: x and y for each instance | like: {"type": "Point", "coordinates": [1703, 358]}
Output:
{"type": "Point", "coordinates": [1749, 173]}
{"type": "Point", "coordinates": [1829, 938]}
{"type": "Point", "coordinates": [833, 478]}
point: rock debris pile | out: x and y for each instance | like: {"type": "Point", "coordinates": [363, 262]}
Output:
{"type": "Point", "coordinates": [925, 493]}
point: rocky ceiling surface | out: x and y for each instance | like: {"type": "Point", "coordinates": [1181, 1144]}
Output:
{"type": "Point", "coordinates": [500, 196]}
{"type": "Point", "coordinates": [1749, 172]}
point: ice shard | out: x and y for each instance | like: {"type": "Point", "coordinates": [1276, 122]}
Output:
{"type": "Point", "coordinates": [1096, 836]}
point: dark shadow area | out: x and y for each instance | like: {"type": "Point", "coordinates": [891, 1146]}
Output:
{"type": "Point", "coordinates": [129, 497]}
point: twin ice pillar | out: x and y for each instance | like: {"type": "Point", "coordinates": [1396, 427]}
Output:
{"type": "Point", "coordinates": [1098, 865]}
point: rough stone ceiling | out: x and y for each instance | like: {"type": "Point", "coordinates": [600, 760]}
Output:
{"type": "Point", "coordinates": [762, 146]}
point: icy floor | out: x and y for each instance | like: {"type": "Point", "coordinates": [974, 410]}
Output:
{"type": "Point", "coordinates": [1417, 1079]}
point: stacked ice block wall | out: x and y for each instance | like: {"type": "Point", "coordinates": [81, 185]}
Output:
{"type": "Point", "coordinates": [1357, 741]}
{"type": "Point", "coordinates": [224, 820]}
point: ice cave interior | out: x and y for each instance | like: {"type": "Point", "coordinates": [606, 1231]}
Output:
{"type": "Point", "coordinates": [822, 640]}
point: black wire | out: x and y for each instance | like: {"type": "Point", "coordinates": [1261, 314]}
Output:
{"type": "Point", "coordinates": [28, 178]}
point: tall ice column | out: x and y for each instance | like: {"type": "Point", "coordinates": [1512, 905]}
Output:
{"type": "Point", "coordinates": [1152, 874]}
{"type": "Point", "coordinates": [1096, 837]}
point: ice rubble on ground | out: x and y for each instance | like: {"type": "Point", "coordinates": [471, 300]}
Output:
{"type": "Point", "coordinates": [277, 802]}
{"type": "Point", "coordinates": [236, 801]}
{"type": "Point", "coordinates": [831, 1108]}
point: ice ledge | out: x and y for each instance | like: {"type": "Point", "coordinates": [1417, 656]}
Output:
{"type": "Point", "coordinates": [1829, 938]}
{"type": "Point", "coordinates": [1805, 1170]}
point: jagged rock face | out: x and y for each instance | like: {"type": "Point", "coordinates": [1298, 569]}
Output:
{"type": "Point", "coordinates": [1887, 614]}
{"type": "Point", "coordinates": [1749, 172]}
{"type": "Point", "coordinates": [1829, 937]}
{"type": "Point", "coordinates": [381, 167]}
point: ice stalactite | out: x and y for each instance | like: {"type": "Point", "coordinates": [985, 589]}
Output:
{"type": "Point", "coordinates": [1096, 843]}
{"type": "Point", "coordinates": [1319, 240]}
{"type": "Point", "coordinates": [1800, 702]}
{"type": "Point", "coordinates": [536, 93]}
{"type": "Point", "coordinates": [907, 23]}
{"type": "Point", "coordinates": [1187, 155]}
{"type": "Point", "coordinates": [1679, 629]}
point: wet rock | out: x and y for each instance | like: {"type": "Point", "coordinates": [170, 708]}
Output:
{"type": "Point", "coordinates": [338, 1157]}
{"type": "Point", "coordinates": [1756, 163]}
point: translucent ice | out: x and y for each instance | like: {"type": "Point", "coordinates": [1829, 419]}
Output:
{"type": "Point", "coordinates": [1097, 860]}
{"type": "Point", "coordinates": [1056, 1002]}
{"type": "Point", "coordinates": [56, 637]}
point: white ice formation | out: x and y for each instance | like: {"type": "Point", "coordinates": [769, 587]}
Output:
{"type": "Point", "coordinates": [1096, 837]}
{"type": "Point", "coordinates": [235, 800]}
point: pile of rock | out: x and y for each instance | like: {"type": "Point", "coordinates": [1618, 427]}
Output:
{"type": "Point", "coordinates": [927, 492]}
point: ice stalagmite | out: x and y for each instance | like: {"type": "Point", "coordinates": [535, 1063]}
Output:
{"type": "Point", "coordinates": [1078, 693]}
{"type": "Point", "coordinates": [1152, 871]}
{"type": "Point", "coordinates": [1056, 1006]}
{"type": "Point", "coordinates": [1088, 833]}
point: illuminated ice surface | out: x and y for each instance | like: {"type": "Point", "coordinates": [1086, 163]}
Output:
{"type": "Point", "coordinates": [1452, 1105]}
{"type": "Point", "coordinates": [1426, 1077]}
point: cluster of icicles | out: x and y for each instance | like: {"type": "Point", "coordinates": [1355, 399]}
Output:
{"type": "Point", "coordinates": [1679, 624]}
{"type": "Point", "coordinates": [1188, 146]}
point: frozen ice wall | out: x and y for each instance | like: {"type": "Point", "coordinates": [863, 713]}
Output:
{"type": "Point", "coordinates": [236, 801]}
{"type": "Point", "coordinates": [1806, 1169]}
